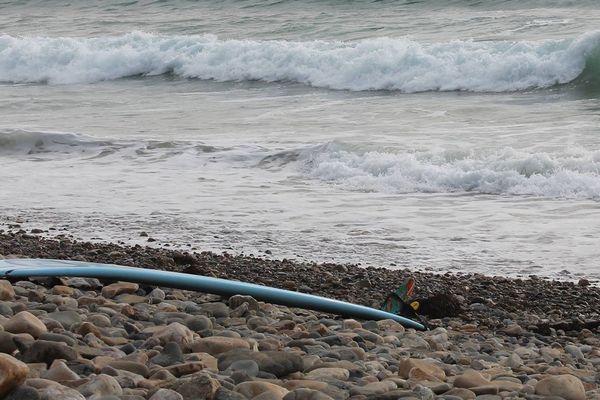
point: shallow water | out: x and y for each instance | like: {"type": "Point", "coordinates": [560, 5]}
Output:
{"type": "Point", "coordinates": [444, 135]}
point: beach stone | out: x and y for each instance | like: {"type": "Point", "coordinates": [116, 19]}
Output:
{"type": "Point", "coordinates": [60, 392]}
{"type": "Point", "coordinates": [115, 289]}
{"type": "Point", "coordinates": [238, 300]}
{"type": "Point", "coordinates": [100, 385]}
{"type": "Point", "coordinates": [568, 387]}
{"type": "Point", "coordinates": [23, 393]}
{"type": "Point", "coordinates": [575, 352]}
{"type": "Point", "coordinates": [62, 290]}
{"type": "Point", "coordinates": [99, 320]}
{"type": "Point", "coordinates": [423, 369]}
{"type": "Point", "coordinates": [508, 386]}
{"type": "Point", "coordinates": [131, 299]}
{"type": "Point", "coordinates": [25, 322]}
{"type": "Point", "coordinates": [7, 345]}
{"type": "Point", "coordinates": [166, 394]}
{"type": "Point", "coordinates": [268, 395]}
{"type": "Point", "coordinates": [66, 318]}
{"type": "Point", "coordinates": [226, 394]}
{"type": "Point", "coordinates": [470, 379]}
{"type": "Point", "coordinates": [373, 388]}
{"type": "Point", "coordinates": [7, 292]}
{"type": "Point", "coordinates": [82, 283]}
{"type": "Point", "coordinates": [47, 351]}
{"type": "Point", "coordinates": [278, 363]}
{"type": "Point", "coordinates": [12, 373]}
{"type": "Point", "coordinates": [57, 337]}
{"type": "Point", "coordinates": [341, 374]}
{"type": "Point", "coordinates": [463, 393]}
{"type": "Point", "coordinates": [195, 387]}
{"type": "Point", "coordinates": [6, 310]}
{"type": "Point", "coordinates": [485, 389]}
{"type": "Point", "coordinates": [216, 345]}
{"type": "Point", "coordinates": [253, 389]}
{"type": "Point", "coordinates": [131, 366]}
{"type": "Point", "coordinates": [513, 330]}
{"type": "Point", "coordinates": [514, 361]}
{"type": "Point", "coordinates": [175, 332]}
{"type": "Point", "coordinates": [198, 323]}
{"type": "Point", "coordinates": [306, 394]}
{"type": "Point", "coordinates": [389, 325]}
{"type": "Point", "coordinates": [187, 368]}
{"type": "Point", "coordinates": [157, 295]}
{"type": "Point", "coordinates": [59, 372]}
{"type": "Point", "coordinates": [217, 310]}
{"type": "Point", "coordinates": [248, 367]}
{"type": "Point", "coordinates": [170, 355]}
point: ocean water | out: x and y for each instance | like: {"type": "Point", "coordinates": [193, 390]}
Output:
{"type": "Point", "coordinates": [446, 135]}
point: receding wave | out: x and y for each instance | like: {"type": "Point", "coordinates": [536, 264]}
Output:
{"type": "Point", "coordinates": [375, 64]}
{"type": "Point", "coordinates": [44, 145]}
{"type": "Point", "coordinates": [575, 174]}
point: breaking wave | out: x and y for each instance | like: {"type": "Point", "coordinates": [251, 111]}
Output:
{"type": "Point", "coordinates": [375, 64]}
{"type": "Point", "coordinates": [503, 172]}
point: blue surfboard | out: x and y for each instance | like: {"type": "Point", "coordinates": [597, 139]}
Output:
{"type": "Point", "coordinates": [26, 268]}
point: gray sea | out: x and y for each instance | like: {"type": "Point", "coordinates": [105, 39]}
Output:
{"type": "Point", "coordinates": [454, 135]}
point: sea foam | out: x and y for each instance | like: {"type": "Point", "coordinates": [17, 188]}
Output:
{"type": "Point", "coordinates": [575, 174]}
{"type": "Point", "coordinates": [374, 64]}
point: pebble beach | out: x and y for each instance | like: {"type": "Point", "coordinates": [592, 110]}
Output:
{"type": "Point", "coordinates": [76, 338]}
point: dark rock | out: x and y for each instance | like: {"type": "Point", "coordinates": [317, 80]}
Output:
{"type": "Point", "coordinates": [170, 355]}
{"type": "Point", "coordinates": [278, 363]}
{"type": "Point", "coordinates": [23, 393]}
{"type": "Point", "coordinates": [45, 351]}
{"type": "Point", "coordinates": [57, 337]}
{"type": "Point", "coordinates": [226, 394]}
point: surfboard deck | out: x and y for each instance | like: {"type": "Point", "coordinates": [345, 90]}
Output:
{"type": "Point", "coordinates": [26, 268]}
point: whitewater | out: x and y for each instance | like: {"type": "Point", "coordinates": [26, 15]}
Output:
{"type": "Point", "coordinates": [372, 64]}
{"type": "Point", "coordinates": [446, 136]}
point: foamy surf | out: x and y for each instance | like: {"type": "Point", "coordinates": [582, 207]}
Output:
{"type": "Point", "coordinates": [398, 64]}
{"type": "Point", "coordinates": [572, 174]}
{"type": "Point", "coordinates": [575, 174]}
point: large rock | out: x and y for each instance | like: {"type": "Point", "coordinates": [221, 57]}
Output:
{"type": "Point", "coordinates": [470, 379]}
{"type": "Point", "coordinates": [175, 332]}
{"type": "Point", "coordinates": [568, 387]}
{"type": "Point", "coordinates": [12, 373]}
{"type": "Point", "coordinates": [115, 289]}
{"type": "Point", "coordinates": [306, 394]}
{"type": "Point", "coordinates": [6, 290]}
{"type": "Point", "coordinates": [59, 392]}
{"type": "Point", "coordinates": [66, 318]}
{"type": "Point", "coordinates": [278, 363]}
{"type": "Point", "coordinates": [426, 369]}
{"type": "Point", "coordinates": [253, 389]}
{"type": "Point", "coordinates": [8, 346]}
{"type": "Point", "coordinates": [170, 355]}
{"type": "Point", "coordinates": [196, 387]}
{"type": "Point", "coordinates": [216, 345]}
{"type": "Point", "coordinates": [373, 388]}
{"type": "Point", "coordinates": [100, 385]}
{"type": "Point", "coordinates": [25, 322]}
{"type": "Point", "coordinates": [318, 374]}
{"type": "Point", "coordinates": [166, 394]}
{"type": "Point", "coordinates": [59, 372]}
{"type": "Point", "coordinates": [47, 351]}
{"type": "Point", "coordinates": [23, 393]}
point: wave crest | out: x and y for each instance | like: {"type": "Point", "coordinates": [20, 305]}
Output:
{"type": "Point", "coordinates": [374, 64]}
{"type": "Point", "coordinates": [504, 172]}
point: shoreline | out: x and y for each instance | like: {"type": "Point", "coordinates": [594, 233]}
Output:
{"type": "Point", "coordinates": [539, 303]}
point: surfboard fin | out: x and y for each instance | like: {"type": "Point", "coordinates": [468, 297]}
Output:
{"type": "Point", "coordinates": [399, 302]}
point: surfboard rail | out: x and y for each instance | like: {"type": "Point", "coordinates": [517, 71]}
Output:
{"type": "Point", "coordinates": [32, 267]}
